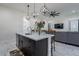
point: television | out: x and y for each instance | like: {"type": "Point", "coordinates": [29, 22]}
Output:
{"type": "Point", "coordinates": [58, 26]}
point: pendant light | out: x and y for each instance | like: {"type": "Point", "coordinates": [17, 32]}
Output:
{"type": "Point", "coordinates": [44, 10]}
{"type": "Point", "coordinates": [34, 13]}
{"type": "Point", "coordinates": [28, 16]}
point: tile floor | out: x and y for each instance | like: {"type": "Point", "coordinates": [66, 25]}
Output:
{"type": "Point", "coordinates": [61, 49]}
{"type": "Point", "coordinates": [6, 47]}
{"type": "Point", "coordinates": [66, 50]}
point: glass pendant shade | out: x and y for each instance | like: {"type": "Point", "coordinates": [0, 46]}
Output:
{"type": "Point", "coordinates": [27, 17]}
{"type": "Point", "coordinates": [35, 15]}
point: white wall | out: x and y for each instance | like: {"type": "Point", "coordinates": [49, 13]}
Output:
{"type": "Point", "coordinates": [67, 25]}
{"type": "Point", "coordinates": [10, 23]}
{"type": "Point", "coordinates": [53, 21]}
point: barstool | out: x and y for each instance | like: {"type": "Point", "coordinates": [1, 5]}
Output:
{"type": "Point", "coordinates": [53, 42]}
{"type": "Point", "coordinates": [53, 32]}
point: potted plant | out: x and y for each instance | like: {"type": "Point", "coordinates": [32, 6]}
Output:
{"type": "Point", "coordinates": [40, 25]}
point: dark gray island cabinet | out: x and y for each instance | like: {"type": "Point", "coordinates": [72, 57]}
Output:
{"type": "Point", "coordinates": [34, 45]}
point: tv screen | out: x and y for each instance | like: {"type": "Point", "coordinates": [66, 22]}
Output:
{"type": "Point", "coordinates": [58, 26]}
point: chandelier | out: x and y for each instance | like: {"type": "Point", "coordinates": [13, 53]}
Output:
{"type": "Point", "coordinates": [54, 13]}
{"type": "Point", "coordinates": [44, 11]}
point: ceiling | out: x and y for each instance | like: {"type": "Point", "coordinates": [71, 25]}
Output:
{"type": "Point", "coordinates": [66, 9]}
{"type": "Point", "coordinates": [62, 7]}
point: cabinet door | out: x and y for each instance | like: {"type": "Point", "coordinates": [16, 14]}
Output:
{"type": "Point", "coordinates": [28, 46]}
{"type": "Point", "coordinates": [61, 36]}
{"type": "Point", "coordinates": [73, 38]}
{"type": "Point", "coordinates": [19, 42]}
{"type": "Point", "coordinates": [42, 47]}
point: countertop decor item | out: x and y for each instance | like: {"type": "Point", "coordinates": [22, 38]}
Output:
{"type": "Point", "coordinates": [40, 25]}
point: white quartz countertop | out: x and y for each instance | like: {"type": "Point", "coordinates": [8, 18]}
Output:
{"type": "Point", "coordinates": [36, 36]}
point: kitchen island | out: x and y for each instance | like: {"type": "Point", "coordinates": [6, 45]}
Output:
{"type": "Point", "coordinates": [34, 44]}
